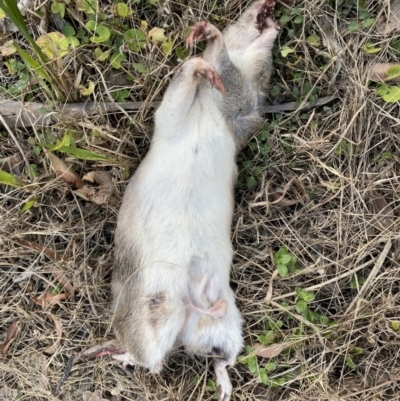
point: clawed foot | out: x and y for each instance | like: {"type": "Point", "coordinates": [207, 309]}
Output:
{"type": "Point", "coordinates": [207, 71]}
{"type": "Point", "coordinates": [265, 16]}
{"type": "Point", "coordinates": [109, 348]}
{"type": "Point", "coordinates": [201, 30]}
{"type": "Point", "coordinates": [223, 382]}
{"type": "Point", "coordinates": [126, 359]}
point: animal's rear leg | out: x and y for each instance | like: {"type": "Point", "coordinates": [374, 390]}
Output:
{"type": "Point", "coordinates": [223, 381]}
{"type": "Point", "coordinates": [265, 16]}
{"type": "Point", "coordinates": [266, 24]}
{"type": "Point", "coordinates": [203, 30]}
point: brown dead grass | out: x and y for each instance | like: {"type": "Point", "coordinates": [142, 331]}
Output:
{"type": "Point", "coordinates": [332, 231]}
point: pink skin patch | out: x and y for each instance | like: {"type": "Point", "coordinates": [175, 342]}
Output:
{"type": "Point", "coordinates": [217, 311]}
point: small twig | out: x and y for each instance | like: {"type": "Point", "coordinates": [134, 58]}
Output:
{"type": "Point", "coordinates": [294, 368]}
{"type": "Point", "coordinates": [108, 348]}
{"type": "Point", "coordinates": [18, 114]}
{"type": "Point", "coordinates": [67, 371]}
{"type": "Point", "coordinates": [371, 276]}
{"type": "Point", "coordinates": [14, 139]}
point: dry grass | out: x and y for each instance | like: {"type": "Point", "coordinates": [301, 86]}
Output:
{"type": "Point", "coordinates": [336, 156]}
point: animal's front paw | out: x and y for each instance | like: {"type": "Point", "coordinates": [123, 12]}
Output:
{"type": "Point", "coordinates": [265, 16]}
{"type": "Point", "coordinates": [207, 71]}
{"type": "Point", "coordinates": [201, 30]}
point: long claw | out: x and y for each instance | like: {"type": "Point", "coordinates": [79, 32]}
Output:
{"type": "Point", "coordinates": [198, 33]}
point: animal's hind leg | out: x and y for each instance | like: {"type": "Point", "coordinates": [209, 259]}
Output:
{"type": "Point", "coordinates": [203, 30]}
{"type": "Point", "coordinates": [266, 25]}
{"type": "Point", "coordinates": [223, 381]}
{"type": "Point", "coordinates": [265, 16]}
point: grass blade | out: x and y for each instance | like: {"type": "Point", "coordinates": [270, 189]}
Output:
{"type": "Point", "coordinates": [10, 179]}
{"type": "Point", "coordinates": [12, 11]}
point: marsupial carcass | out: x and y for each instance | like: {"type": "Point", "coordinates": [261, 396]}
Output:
{"type": "Point", "coordinates": [173, 252]}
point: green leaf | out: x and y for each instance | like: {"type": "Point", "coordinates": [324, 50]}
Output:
{"type": "Point", "coordinates": [268, 338]}
{"type": "Point", "coordinates": [301, 306]}
{"type": "Point", "coordinates": [299, 19]}
{"type": "Point", "coordinates": [285, 259]}
{"type": "Point", "coordinates": [307, 296]}
{"type": "Point", "coordinates": [10, 179]}
{"type": "Point", "coordinates": [100, 55]}
{"type": "Point", "coordinates": [382, 89]}
{"type": "Point", "coordinates": [181, 53]}
{"type": "Point", "coordinates": [314, 40]}
{"type": "Point", "coordinates": [357, 351]}
{"type": "Point", "coordinates": [87, 91]}
{"type": "Point", "coordinates": [123, 10]}
{"type": "Point", "coordinates": [135, 39]}
{"type": "Point", "coordinates": [139, 68]}
{"type": "Point", "coordinates": [121, 95]}
{"type": "Point", "coordinates": [33, 171]}
{"type": "Point", "coordinates": [83, 154]}
{"type": "Point", "coordinates": [242, 359]}
{"type": "Point", "coordinates": [270, 366]}
{"type": "Point", "coordinates": [103, 33]}
{"type": "Point", "coordinates": [263, 376]}
{"type": "Point", "coordinates": [393, 72]}
{"type": "Point", "coordinates": [73, 42]}
{"type": "Point", "coordinates": [116, 60]}
{"type": "Point", "coordinates": [33, 64]}
{"type": "Point", "coordinates": [88, 6]}
{"type": "Point", "coordinates": [284, 19]}
{"type": "Point", "coordinates": [393, 95]}
{"type": "Point", "coordinates": [211, 384]}
{"type": "Point", "coordinates": [68, 30]}
{"type": "Point", "coordinates": [349, 362]}
{"type": "Point", "coordinates": [353, 26]}
{"type": "Point", "coordinates": [298, 291]}
{"type": "Point", "coordinates": [252, 364]}
{"type": "Point", "coordinates": [395, 324]}
{"type": "Point", "coordinates": [285, 50]}
{"type": "Point", "coordinates": [371, 49]}
{"type": "Point", "coordinates": [282, 270]}
{"type": "Point", "coordinates": [167, 47]}
{"type": "Point", "coordinates": [251, 181]}
{"type": "Point", "coordinates": [58, 8]}
{"type": "Point", "coordinates": [64, 141]}
{"type": "Point", "coordinates": [28, 205]}
{"type": "Point", "coordinates": [53, 44]}
{"type": "Point", "coordinates": [368, 22]}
